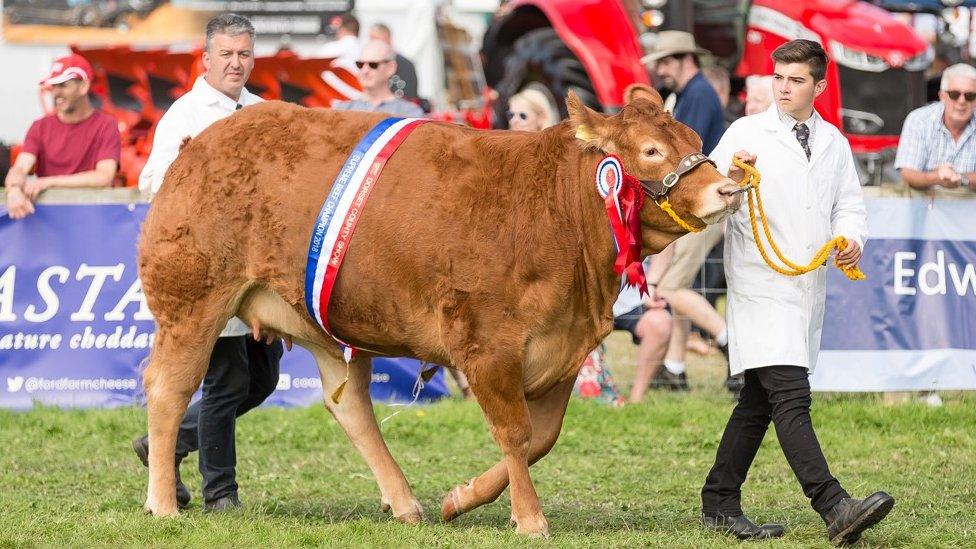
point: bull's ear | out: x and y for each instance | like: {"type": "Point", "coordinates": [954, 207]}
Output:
{"type": "Point", "coordinates": [590, 125]}
{"type": "Point", "coordinates": [642, 91]}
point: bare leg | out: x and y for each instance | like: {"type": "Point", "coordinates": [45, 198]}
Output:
{"type": "Point", "coordinates": [654, 329]}
{"type": "Point", "coordinates": [691, 305]}
{"type": "Point", "coordinates": [546, 414]}
{"type": "Point", "coordinates": [678, 345]}
{"type": "Point", "coordinates": [355, 414]}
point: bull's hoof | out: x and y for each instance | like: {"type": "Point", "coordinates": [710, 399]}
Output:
{"type": "Point", "coordinates": [413, 517]}
{"type": "Point", "coordinates": [451, 506]}
{"type": "Point", "coordinates": [533, 527]}
{"type": "Point", "coordinates": [161, 511]}
{"type": "Point", "coordinates": [384, 506]}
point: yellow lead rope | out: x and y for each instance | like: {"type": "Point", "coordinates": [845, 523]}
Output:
{"type": "Point", "coordinates": [755, 202]}
{"type": "Point", "coordinates": [666, 206]}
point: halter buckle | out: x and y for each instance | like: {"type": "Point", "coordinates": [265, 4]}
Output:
{"type": "Point", "coordinates": [670, 180]}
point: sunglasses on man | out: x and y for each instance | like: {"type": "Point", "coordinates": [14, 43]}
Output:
{"type": "Point", "coordinates": [954, 95]}
{"type": "Point", "coordinates": [512, 114]}
{"type": "Point", "coordinates": [371, 64]}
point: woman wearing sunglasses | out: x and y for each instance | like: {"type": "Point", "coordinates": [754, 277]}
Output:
{"type": "Point", "coordinates": [529, 111]}
{"type": "Point", "coordinates": [938, 141]}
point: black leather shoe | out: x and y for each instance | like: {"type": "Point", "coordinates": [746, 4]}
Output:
{"type": "Point", "coordinates": [226, 503]}
{"type": "Point", "coordinates": [140, 445]}
{"type": "Point", "coordinates": [741, 527]}
{"type": "Point", "coordinates": [735, 384]}
{"type": "Point", "coordinates": [849, 518]}
{"type": "Point", "coordinates": [668, 381]}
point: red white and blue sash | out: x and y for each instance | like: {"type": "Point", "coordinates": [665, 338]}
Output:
{"type": "Point", "coordinates": [341, 212]}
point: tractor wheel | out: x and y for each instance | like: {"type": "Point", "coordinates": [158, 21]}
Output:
{"type": "Point", "coordinates": [540, 60]}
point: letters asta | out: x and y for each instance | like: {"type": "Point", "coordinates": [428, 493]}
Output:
{"type": "Point", "coordinates": [57, 284]}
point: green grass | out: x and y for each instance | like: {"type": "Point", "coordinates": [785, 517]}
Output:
{"type": "Point", "coordinates": [623, 478]}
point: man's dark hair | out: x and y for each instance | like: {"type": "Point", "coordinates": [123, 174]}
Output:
{"type": "Point", "coordinates": [349, 22]}
{"type": "Point", "coordinates": [804, 51]}
{"type": "Point", "coordinates": [230, 24]}
{"type": "Point", "coordinates": [681, 56]}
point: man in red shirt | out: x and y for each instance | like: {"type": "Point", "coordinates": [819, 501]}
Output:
{"type": "Point", "coordinates": [77, 146]}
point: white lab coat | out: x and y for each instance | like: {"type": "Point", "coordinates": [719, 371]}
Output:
{"type": "Point", "coordinates": [774, 319]}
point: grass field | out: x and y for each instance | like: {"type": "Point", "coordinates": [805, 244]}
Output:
{"type": "Point", "coordinates": [617, 477]}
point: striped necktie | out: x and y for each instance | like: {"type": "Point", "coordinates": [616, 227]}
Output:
{"type": "Point", "coordinates": [803, 136]}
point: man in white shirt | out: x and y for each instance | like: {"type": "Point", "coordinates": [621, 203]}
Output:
{"type": "Point", "coordinates": [811, 193]}
{"type": "Point", "coordinates": [242, 372]}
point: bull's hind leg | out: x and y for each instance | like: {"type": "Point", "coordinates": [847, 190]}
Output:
{"type": "Point", "coordinates": [355, 414]}
{"type": "Point", "coordinates": [546, 414]}
{"type": "Point", "coordinates": [177, 364]}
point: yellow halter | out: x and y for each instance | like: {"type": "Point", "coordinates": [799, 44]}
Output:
{"type": "Point", "coordinates": [792, 269]}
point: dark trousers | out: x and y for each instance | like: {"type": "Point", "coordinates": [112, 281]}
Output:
{"type": "Point", "coordinates": [780, 393]}
{"type": "Point", "coordinates": [242, 373]}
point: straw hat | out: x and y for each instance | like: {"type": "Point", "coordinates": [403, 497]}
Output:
{"type": "Point", "coordinates": [670, 43]}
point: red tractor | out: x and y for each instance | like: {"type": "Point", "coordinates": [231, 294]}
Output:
{"type": "Point", "coordinates": [593, 47]}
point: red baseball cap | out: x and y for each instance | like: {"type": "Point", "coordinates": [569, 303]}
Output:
{"type": "Point", "coordinates": [68, 67]}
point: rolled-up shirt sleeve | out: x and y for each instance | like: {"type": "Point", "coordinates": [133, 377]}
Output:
{"type": "Point", "coordinates": [170, 132]}
{"type": "Point", "coordinates": [912, 146]}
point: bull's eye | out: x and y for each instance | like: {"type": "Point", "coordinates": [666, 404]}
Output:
{"type": "Point", "coordinates": [650, 152]}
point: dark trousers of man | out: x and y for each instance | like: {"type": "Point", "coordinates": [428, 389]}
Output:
{"type": "Point", "coordinates": [780, 393]}
{"type": "Point", "coordinates": [242, 373]}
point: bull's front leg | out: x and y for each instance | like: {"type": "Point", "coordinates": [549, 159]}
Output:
{"type": "Point", "coordinates": [497, 384]}
{"type": "Point", "coordinates": [546, 413]}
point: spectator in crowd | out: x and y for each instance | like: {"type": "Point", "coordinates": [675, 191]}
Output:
{"type": "Point", "coordinates": [375, 67]}
{"type": "Point", "coordinates": [675, 60]}
{"type": "Point", "coordinates": [242, 371]}
{"type": "Point", "coordinates": [649, 322]}
{"type": "Point", "coordinates": [529, 111]}
{"type": "Point", "coordinates": [676, 64]}
{"type": "Point", "coordinates": [403, 83]}
{"type": "Point", "coordinates": [775, 321]}
{"type": "Point", "coordinates": [718, 78]}
{"type": "Point", "coordinates": [345, 48]}
{"type": "Point", "coordinates": [938, 141]}
{"type": "Point", "coordinates": [77, 146]}
{"type": "Point", "coordinates": [759, 94]}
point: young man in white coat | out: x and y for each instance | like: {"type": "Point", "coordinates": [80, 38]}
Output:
{"type": "Point", "coordinates": [811, 193]}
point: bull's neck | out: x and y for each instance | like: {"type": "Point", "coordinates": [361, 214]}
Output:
{"type": "Point", "coordinates": [594, 278]}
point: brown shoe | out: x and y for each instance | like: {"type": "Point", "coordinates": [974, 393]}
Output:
{"type": "Point", "coordinates": [849, 518]}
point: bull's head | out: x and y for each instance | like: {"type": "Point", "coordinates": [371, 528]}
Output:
{"type": "Point", "coordinates": [665, 155]}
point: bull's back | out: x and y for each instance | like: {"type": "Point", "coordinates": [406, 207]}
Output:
{"type": "Point", "coordinates": [242, 198]}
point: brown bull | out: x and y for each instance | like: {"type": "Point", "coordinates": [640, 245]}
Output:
{"type": "Point", "coordinates": [489, 251]}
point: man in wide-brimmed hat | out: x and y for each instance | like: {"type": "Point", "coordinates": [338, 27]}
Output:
{"type": "Point", "coordinates": [675, 62]}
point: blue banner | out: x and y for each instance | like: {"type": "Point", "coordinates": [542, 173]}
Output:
{"type": "Point", "coordinates": [912, 324]}
{"type": "Point", "coordinates": [75, 328]}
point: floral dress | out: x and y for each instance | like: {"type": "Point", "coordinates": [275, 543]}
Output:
{"type": "Point", "coordinates": [594, 379]}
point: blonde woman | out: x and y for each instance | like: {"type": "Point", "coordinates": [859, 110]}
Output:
{"type": "Point", "coordinates": [529, 110]}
